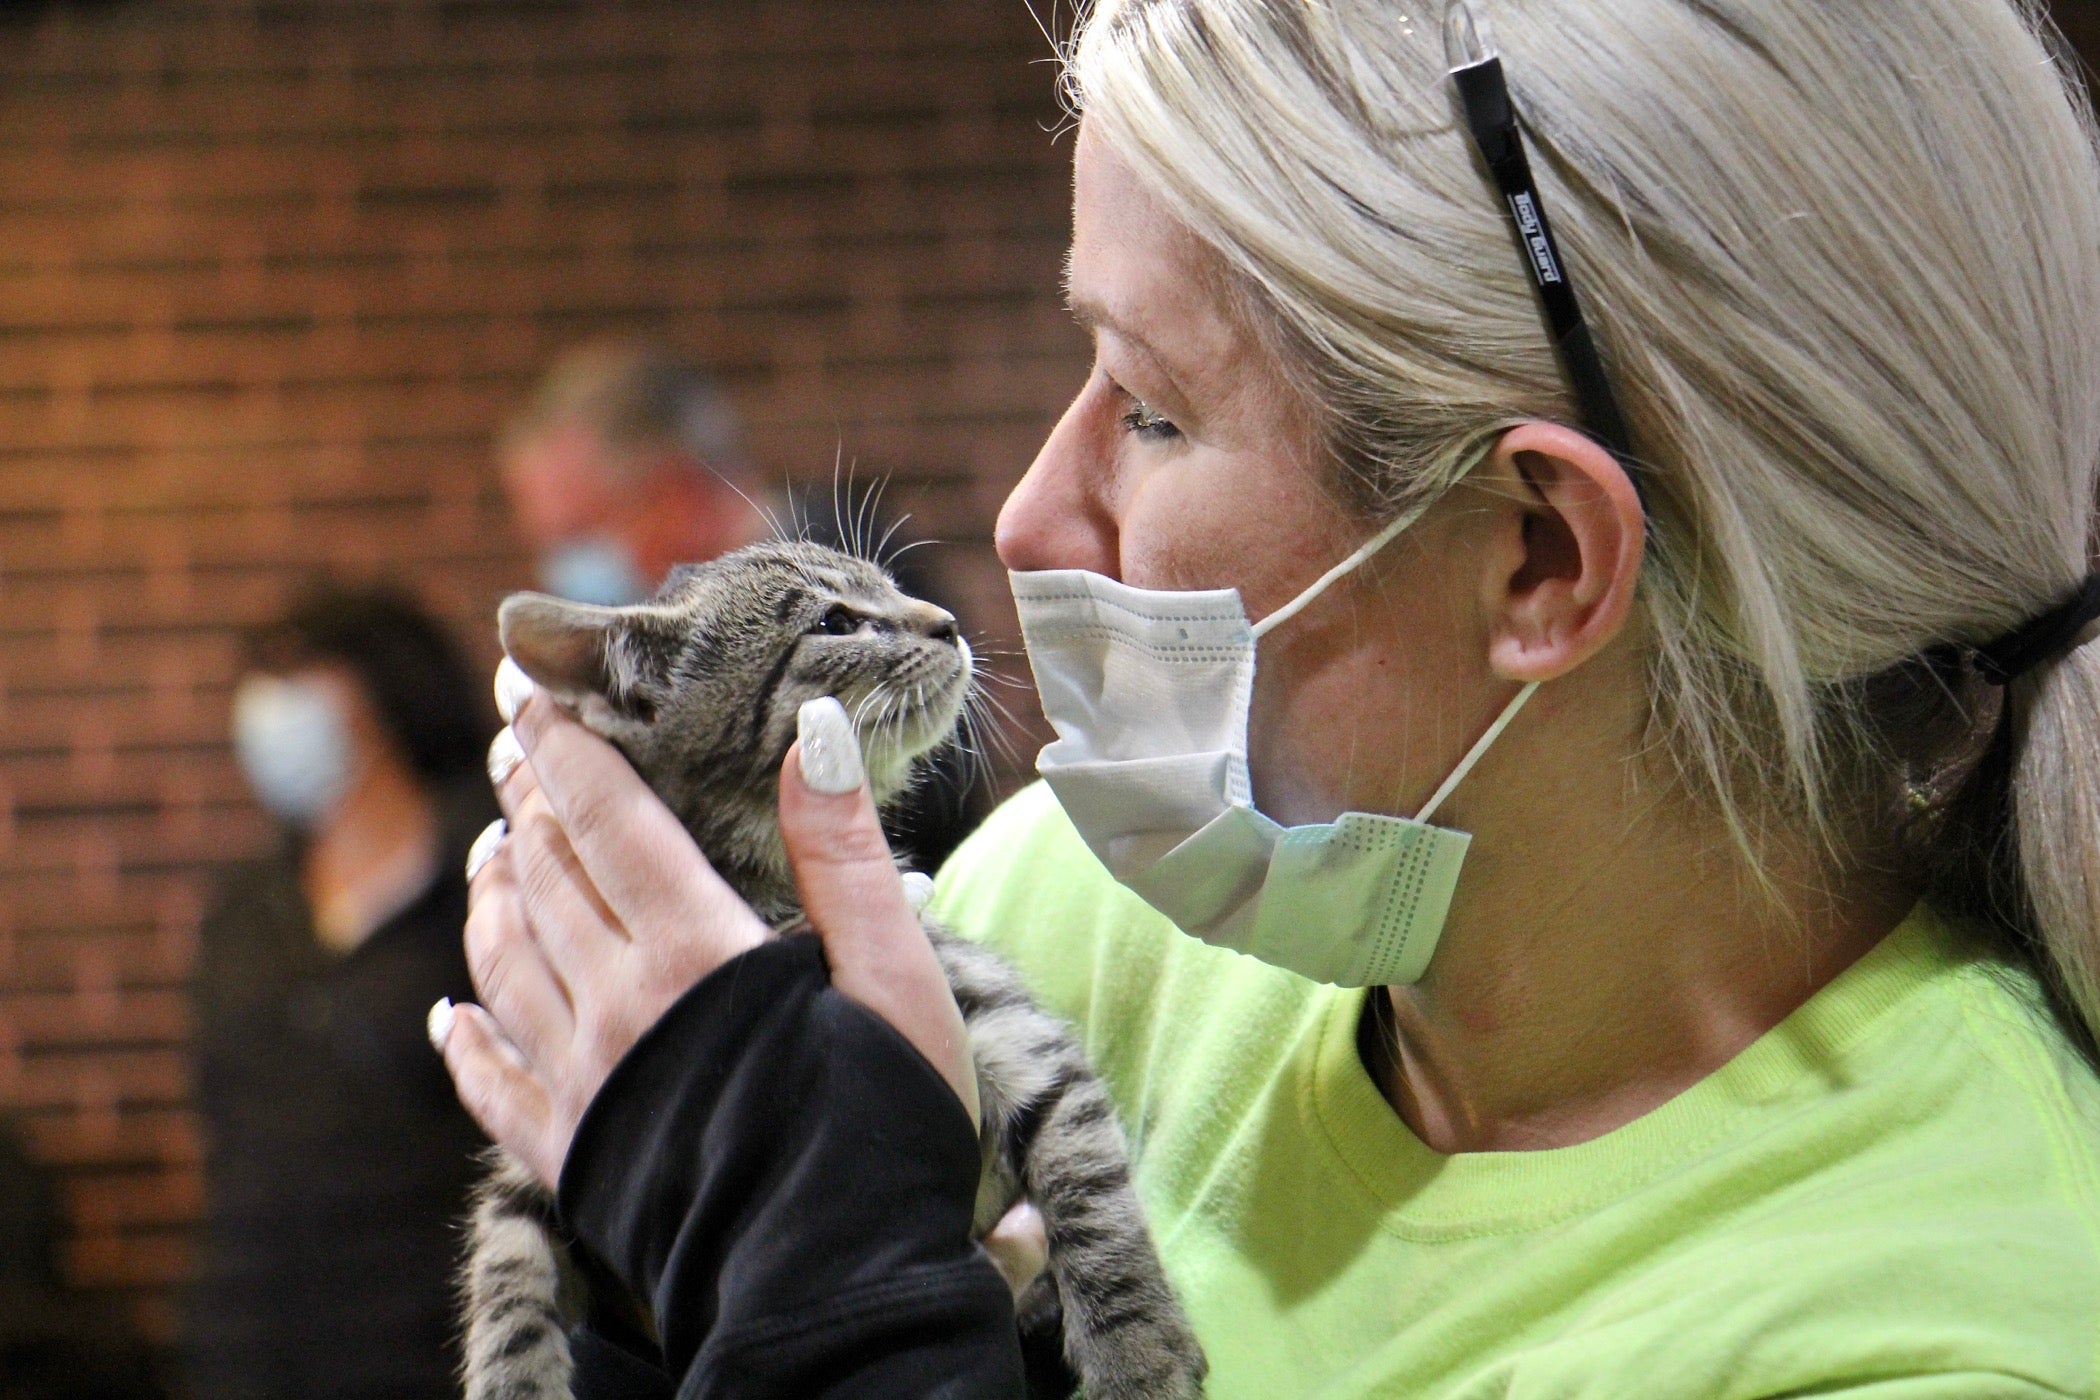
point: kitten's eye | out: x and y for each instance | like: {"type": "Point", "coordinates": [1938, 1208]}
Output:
{"type": "Point", "coordinates": [839, 621]}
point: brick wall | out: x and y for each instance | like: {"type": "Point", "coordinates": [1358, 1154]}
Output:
{"type": "Point", "coordinates": [270, 270]}
{"type": "Point", "coordinates": [269, 274]}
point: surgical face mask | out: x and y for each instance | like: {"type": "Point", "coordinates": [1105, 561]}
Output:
{"type": "Point", "coordinates": [1149, 693]}
{"type": "Point", "coordinates": [598, 569]}
{"type": "Point", "coordinates": [293, 746]}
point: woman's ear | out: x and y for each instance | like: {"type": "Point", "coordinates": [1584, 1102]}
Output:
{"type": "Point", "coordinates": [1574, 536]}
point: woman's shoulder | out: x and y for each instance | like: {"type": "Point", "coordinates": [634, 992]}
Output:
{"type": "Point", "coordinates": [1929, 1190]}
{"type": "Point", "coordinates": [1941, 1086]}
{"type": "Point", "coordinates": [2030, 1086]}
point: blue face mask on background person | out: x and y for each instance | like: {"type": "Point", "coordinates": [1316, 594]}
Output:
{"type": "Point", "coordinates": [597, 569]}
{"type": "Point", "coordinates": [293, 746]}
{"type": "Point", "coordinates": [1149, 691]}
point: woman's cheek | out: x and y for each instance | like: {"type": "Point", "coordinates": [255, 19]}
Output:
{"type": "Point", "coordinates": [1188, 523]}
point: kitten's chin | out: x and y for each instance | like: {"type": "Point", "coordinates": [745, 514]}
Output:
{"type": "Point", "coordinates": [892, 747]}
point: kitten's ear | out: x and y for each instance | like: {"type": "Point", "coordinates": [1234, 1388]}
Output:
{"type": "Point", "coordinates": [577, 650]}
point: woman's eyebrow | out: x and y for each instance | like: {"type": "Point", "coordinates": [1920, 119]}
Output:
{"type": "Point", "coordinates": [1095, 315]}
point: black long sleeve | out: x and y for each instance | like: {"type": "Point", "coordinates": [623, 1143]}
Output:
{"type": "Point", "coordinates": [790, 1184]}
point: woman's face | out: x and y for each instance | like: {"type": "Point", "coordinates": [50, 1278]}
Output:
{"type": "Point", "coordinates": [1185, 462]}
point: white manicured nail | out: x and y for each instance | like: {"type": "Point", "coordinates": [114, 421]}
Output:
{"type": "Point", "coordinates": [484, 848]}
{"type": "Point", "coordinates": [918, 889]}
{"type": "Point", "coordinates": [830, 753]}
{"type": "Point", "coordinates": [505, 754]}
{"type": "Point", "coordinates": [439, 1023]}
{"type": "Point", "coordinates": [513, 689]}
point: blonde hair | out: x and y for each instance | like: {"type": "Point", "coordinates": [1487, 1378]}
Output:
{"type": "Point", "coordinates": [1843, 260]}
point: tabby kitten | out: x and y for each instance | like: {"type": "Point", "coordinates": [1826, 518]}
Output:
{"type": "Point", "coordinates": [700, 689]}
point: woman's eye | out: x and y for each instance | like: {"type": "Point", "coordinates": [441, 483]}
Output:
{"type": "Point", "coordinates": [1142, 422]}
{"type": "Point", "coordinates": [838, 622]}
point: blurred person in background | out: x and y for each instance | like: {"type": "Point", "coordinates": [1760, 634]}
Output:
{"type": "Point", "coordinates": [338, 1159]}
{"type": "Point", "coordinates": [628, 461]}
{"type": "Point", "coordinates": [625, 463]}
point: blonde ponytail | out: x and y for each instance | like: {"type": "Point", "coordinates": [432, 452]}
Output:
{"type": "Point", "coordinates": [2055, 785]}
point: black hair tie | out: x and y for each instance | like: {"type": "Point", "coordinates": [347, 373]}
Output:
{"type": "Point", "coordinates": [2044, 639]}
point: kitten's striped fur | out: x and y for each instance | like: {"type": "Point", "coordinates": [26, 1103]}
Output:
{"type": "Point", "coordinates": [700, 689]}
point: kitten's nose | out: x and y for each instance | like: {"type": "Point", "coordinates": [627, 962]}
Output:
{"type": "Point", "coordinates": [930, 621]}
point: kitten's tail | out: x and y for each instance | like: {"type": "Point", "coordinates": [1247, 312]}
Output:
{"type": "Point", "coordinates": [517, 1339]}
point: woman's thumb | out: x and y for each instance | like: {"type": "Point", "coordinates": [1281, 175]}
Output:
{"type": "Point", "coordinates": [856, 900]}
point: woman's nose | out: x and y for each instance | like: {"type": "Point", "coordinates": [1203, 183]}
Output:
{"type": "Point", "coordinates": [1056, 517]}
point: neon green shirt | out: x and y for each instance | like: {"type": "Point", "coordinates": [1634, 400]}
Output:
{"type": "Point", "coordinates": [1894, 1194]}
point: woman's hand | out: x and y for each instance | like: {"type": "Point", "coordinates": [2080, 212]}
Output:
{"type": "Point", "coordinates": [596, 912]}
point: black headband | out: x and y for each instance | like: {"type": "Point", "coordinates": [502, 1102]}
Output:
{"type": "Point", "coordinates": [2044, 639]}
{"type": "Point", "coordinates": [1491, 117]}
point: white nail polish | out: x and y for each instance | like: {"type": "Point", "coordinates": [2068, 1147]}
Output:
{"type": "Point", "coordinates": [439, 1023]}
{"type": "Point", "coordinates": [830, 752]}
{"type": "Point", "coordinates": [918, 889]}
{"type": "Point", "coordinates": [513, 689]}
{"type": "Point", "coordinates": [505, 754]}
{"type": "Point", "coordinates": [485, 845]}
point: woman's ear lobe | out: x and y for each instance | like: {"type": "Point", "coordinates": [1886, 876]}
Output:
{"type": "Point", "coordinates": [1582, 538]}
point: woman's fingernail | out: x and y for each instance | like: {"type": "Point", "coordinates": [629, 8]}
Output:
{"type": "Point", "coordinates": [830, 753]}
{"type": "Point", "coordinates": [513, 689]}
{"type": "Point", "coordinates": [918, 889]}
{"type": "Point", "coordinates": [484, 848]}
{"type": "Point", "coordinates": [505, 754]}
{"type": "Point", "coordinates": [439, 1023]}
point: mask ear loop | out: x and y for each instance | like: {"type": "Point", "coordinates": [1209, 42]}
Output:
{"type": "Point", "coordinates": [1479, 749]}
{"type": "Point", "coordinates": [1325, 581]}
{"type": "Point", "coordinates": [1370, 547]}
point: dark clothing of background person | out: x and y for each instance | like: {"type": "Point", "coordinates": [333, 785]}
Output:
{"type": "Point", "coordinates": [55, 1343]}
{"type": "Point", "coordinates": [338, 1156]}
{"type": "Point", "coordinates": [739, 1170]}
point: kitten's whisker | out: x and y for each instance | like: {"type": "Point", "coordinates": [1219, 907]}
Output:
{"type": "Point", "coordinates": [882, 560]}
{"type": "Point", "coordinates": [997, 727]}
{"type": "Point", "coordinates": [860, 708]}
{"type": "Point", "coordinates": [838, 515]}
{"type": "Point", "coordinates": [982, 718]}
{"type": "Point", "coordinates": [873, 503]}
{"type": "Point", "coordinates": [907, 547]}
{"type": "Point", "coordinates": [995, 741]}
{"type": "Point", "coordinates": [998, 653]}
{"type": "Point", "coordinates": [979, 739]}
{"type": "Point", "coordinates": [761, 511]}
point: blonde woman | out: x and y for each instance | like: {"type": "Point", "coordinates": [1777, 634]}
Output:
{"type": "Point", "coordinates": [1688, 500]}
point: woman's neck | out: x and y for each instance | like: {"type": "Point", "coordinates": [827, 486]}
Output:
{"type": "Point", "coordinates": [373, 858]}
{"type": "Point", "coordinates": [1608, 948]}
